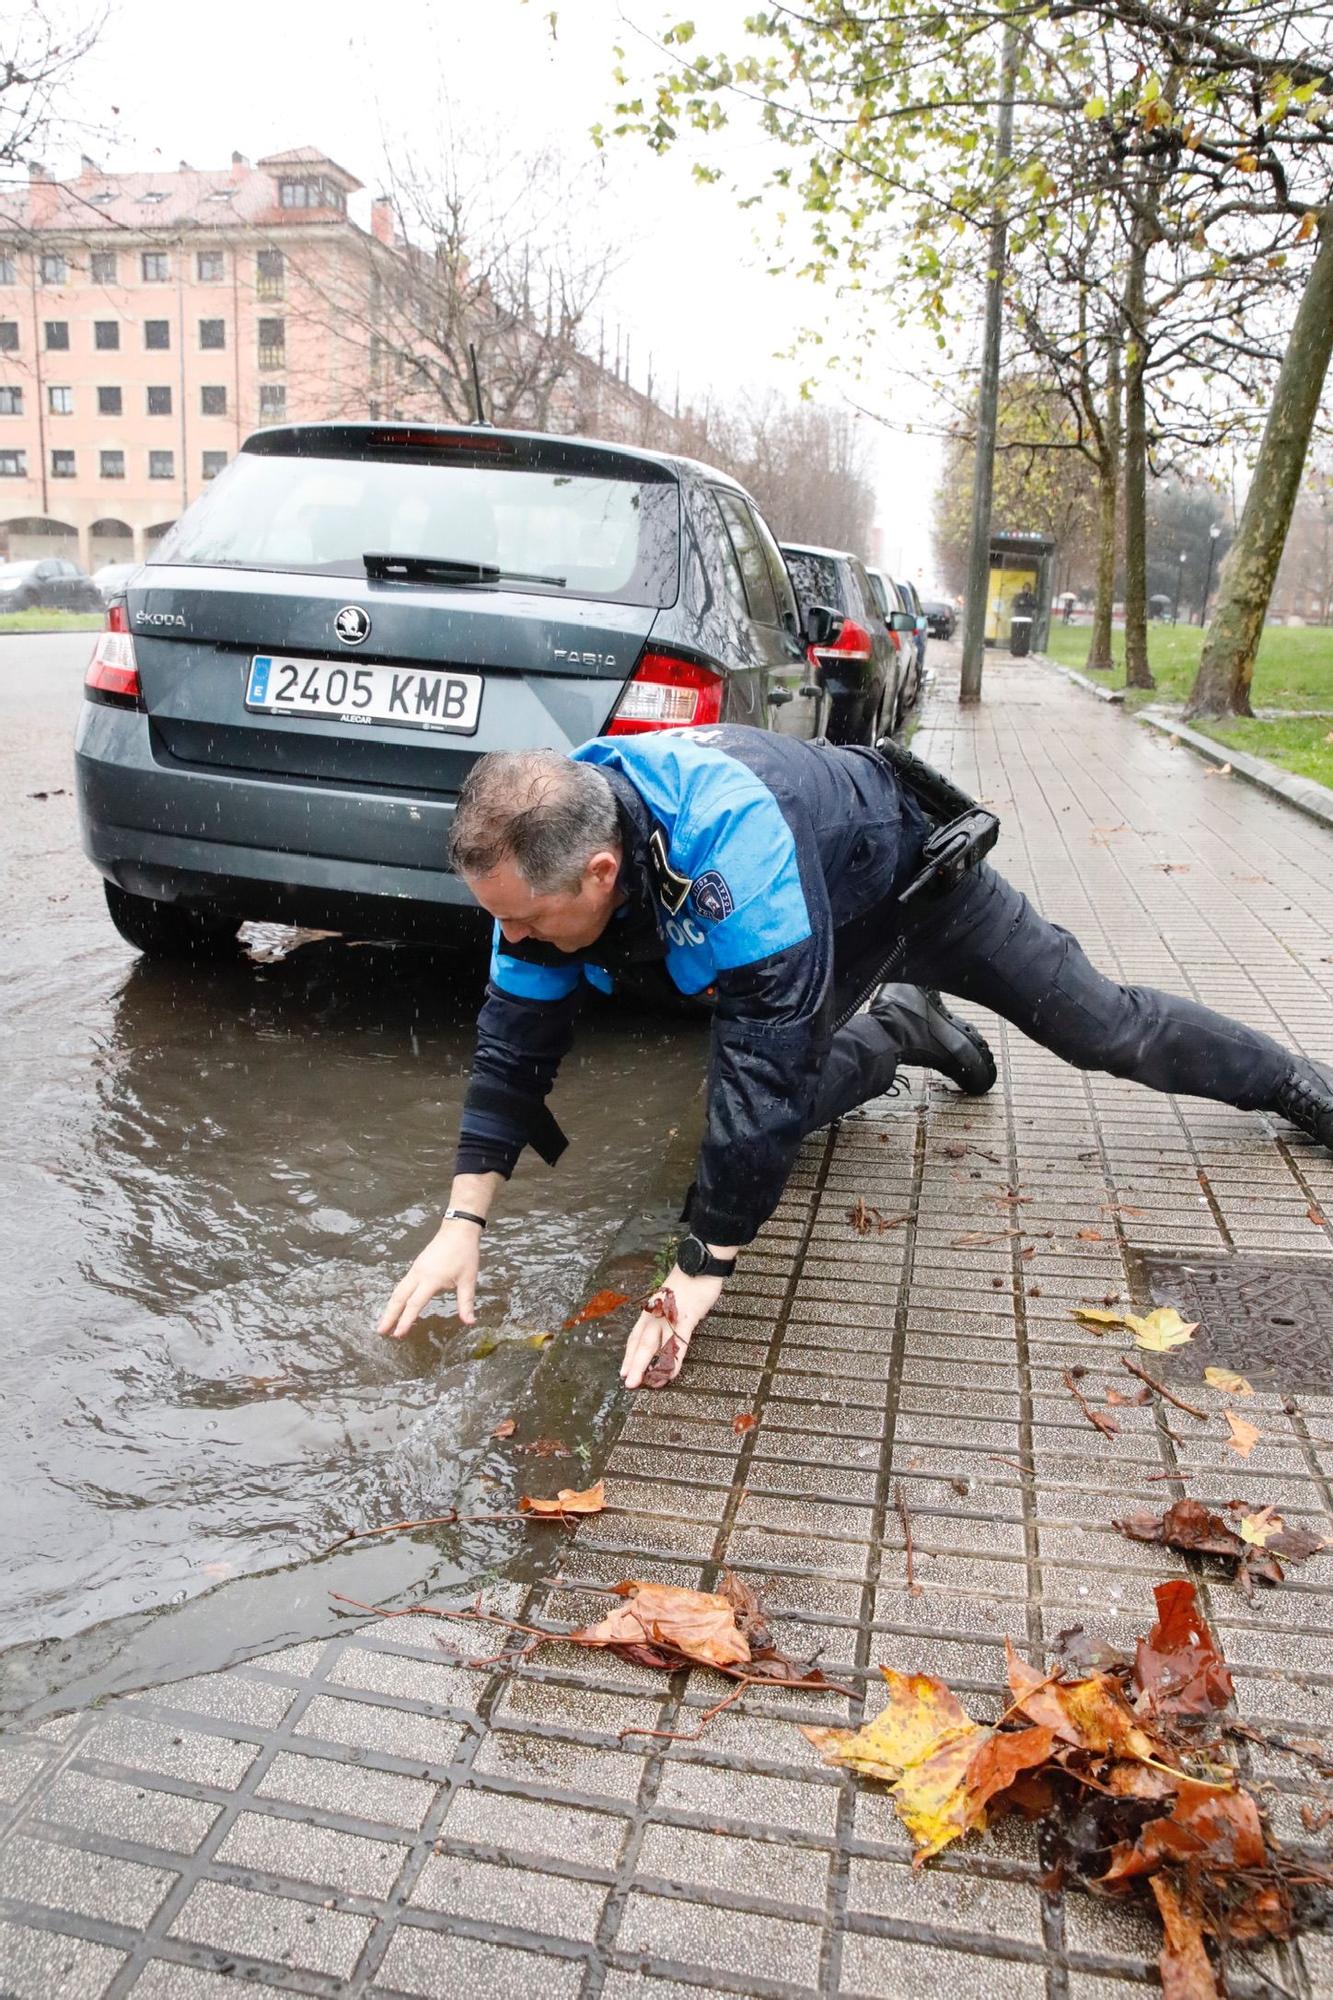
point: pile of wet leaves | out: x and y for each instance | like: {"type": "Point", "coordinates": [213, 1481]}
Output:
{"type": "Point", "coordinates": [1127, 1764]}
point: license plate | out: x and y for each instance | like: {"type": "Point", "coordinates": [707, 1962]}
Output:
{"type": "Point", "coordinates": [411, 697]}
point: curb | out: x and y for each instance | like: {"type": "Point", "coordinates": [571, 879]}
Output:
{"type": "Point", "coordinates": [1308, 796]}
{"type": "Point", "coordinates": [1080, 680]}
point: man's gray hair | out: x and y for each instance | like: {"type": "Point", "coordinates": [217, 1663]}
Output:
{"type": "Point", "coordinates": [538, 809]}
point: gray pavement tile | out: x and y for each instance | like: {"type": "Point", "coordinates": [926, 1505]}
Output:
{"type": "Point", "coordinates": [394, 1732]}
{"type": "Point", "coordinates": [275, 1928]}
{"type": "Point", "coordinates": [295, 1663]}
{"type": "Point", "coordinates": [1112, 1929]}
{"type": "Point", "coordinates": [163, 1979]}
{"type": "Point", "coordinates": [714, 1792]}
{"type": "Point", "coordinates": [545, 1763]}
{"type": "Point", "coordinates": [438, 1966]}
{"type": "Point", "coordinates": [946, 1899]}
{"type": "Point", "coordinates": [1011, 1841]}
{"type": "Point", "coordinates": [55, 1876]}
{"type": "Point", "coordinates": [432, 1683]}
{"type": "Point", "coordinates": [535, 1826]}
{"type": "Point", "coordinates": [142, 1745]}
{"type": "Point", "coordinates": [44, 1965]}
{"type": "Point", "coordinates": [574, 1710]}
{"type": "Point", "coordinates": [776, 1870]}
{"type": "Point", "coordinates": [737, 1942]}
{"type": "Point", "coordinates": [332, 1786]}
{"type": "Point", "coordinates": [875, 1968]}
{"type": "Point", "coordinates": [644, 1986]}
{"type": "Point", "coordinates": [20, 1763]}
{"type": "Point", "coordinates": [283, 1846]}
{"type": "Point", "coordinates": [127, 1812]}
{"type": "Point", "coordinates": [227, 1697]}
{"type": "Point", "coordinates": [520, 1898]}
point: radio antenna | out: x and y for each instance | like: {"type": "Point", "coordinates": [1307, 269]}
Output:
{"type": "Point", "coordinates": [480, 417]}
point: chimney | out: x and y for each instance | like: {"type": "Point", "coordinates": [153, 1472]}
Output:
{"type": "Point", "coordinates": [87, 168]}
{"type": "Point", "coordinates": [382, 223]}
{"type": "Point", "coordinates": [240, 166]}
{"type": "Point", "coordinates": [37, 171]}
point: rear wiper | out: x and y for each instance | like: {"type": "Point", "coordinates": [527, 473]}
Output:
{"type": "Point", "coordinates": [444, 569]}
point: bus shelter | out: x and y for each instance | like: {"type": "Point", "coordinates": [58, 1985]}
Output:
{"type": "Point", "coordinates": [1020, 566]}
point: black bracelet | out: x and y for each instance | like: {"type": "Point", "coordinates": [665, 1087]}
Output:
{"type": "Point", "coordinates": [464, 1215]}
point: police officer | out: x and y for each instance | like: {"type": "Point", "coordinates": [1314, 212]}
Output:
{"type": "Point", "coordinates": [764, 872]}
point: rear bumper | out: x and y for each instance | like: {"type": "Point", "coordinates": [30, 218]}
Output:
{"type": "Point", "coordinates": [341, 859]}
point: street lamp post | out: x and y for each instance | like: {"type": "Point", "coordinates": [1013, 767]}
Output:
{"type": "Point", "coordinates": [1180, 577]}
{"type": "Point", "coordinates": [1213, 533]}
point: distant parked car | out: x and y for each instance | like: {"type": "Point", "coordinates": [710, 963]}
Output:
{"type": "Point", "coordinates": [860, 668]}
{"type": "Point", "coordinates": [112, 578]}
{"type": "Point", "coordinates": [896, 603]}
{"type": "Point", "coordinates": [941, 618]}
{"type": "Point", "coordinates": [47, 584]}
{"type": "Point", "coordinates": [293, 688]}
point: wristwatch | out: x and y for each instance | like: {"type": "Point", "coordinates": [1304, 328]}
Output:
{"type": "Point", "coordinates": [696, 1260]}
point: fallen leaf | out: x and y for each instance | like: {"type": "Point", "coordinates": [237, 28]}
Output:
{"type": "Point", "coordinates": [1178, 1667]}
{"type": "Point", "coordinates": [701, 1624]}
{"type": "Point", "coordinates": [1184, 1965]}
{"type": "Point", "coordinates": [1088, 1714]}
{"type": "Point", "coordinates": [567, 1501]}
{"type": "Point", "coordinates": [1244, 1436]}
{"type": "Point", "coordinates": [1186, 1524]}
{"type": "Point", "coordinates": [1091, 1236]}
{"type": "Point", "coordinates": [1161, 1330]}
{"type": "Point", "coordinates": [1315, 1216]}
{"type": "Point", "coordinates": [1260, 1528]}
{"type": "Point", "coordinates": [598, 1306]}
{"type": "Point", "coordinates": [1218, 771]}
{"type": "Point", "coordinates": [505, 1428]}
{"type": "Point", "coordinates": [544, 1448]}
{"type": "Point", "coordinates": [921, 1745]}
{"type": "Point", "coordinates": [744, 1420]}
{"type": "Point", "coordinates": [540, 1339]}
{"type": "Point", "coordinates": [1227, 1379]}
{"type": "Point", "coordinates": [662, 1368]}
{"type": "Point", "coordinates": [1095, 1317]}
{"type": "Point", "coordinates": [485, 1346]}
{"type": "Point", "coordinates": [1084, 1653]}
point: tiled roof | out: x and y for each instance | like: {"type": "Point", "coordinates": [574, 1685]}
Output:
{"type": "Point", "coordinates": [208, 197]}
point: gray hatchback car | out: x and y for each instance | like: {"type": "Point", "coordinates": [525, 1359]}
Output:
{"type": "Point", "coordinates": [289, 696]}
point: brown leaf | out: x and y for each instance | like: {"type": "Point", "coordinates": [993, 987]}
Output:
{"type": "Point", "coordinates": [1084, 1653]}
{"type": "Point", "coordinates": [1090, 1236]}
{"type": "Point", "coordinates": [1186, 1524]}
{"type": "Point", "coordinates": [1187, 1973]}
{"type": "Point", "coordinates": [662, 1368]}
{"type": "Point", "coordinates": [1089, 1714]}
{"type": "Point", "coordinates": [1315, 1216]}
{"type": "Point", "coordinates": [1296, 1544]}
{"type": "Point", "coordinates": [543, 1448]}
{"type": "Point", "coordinates": [1216, 1826]}
{"type": "Point", "coordinates": [1179, 1667]}
{"type": "Point", "coordinates": [1005, 1757]}
{"type": "Point", "coordinates": [567, 1501]}
{"type": "Point", "coordinates": [700, 1624]}
{"type": "Point", "coordinates": [743, 1421]}
{"type": "Point", "coordinates": [1244, 1436]}
{"type": "Point", "coordinates": [598, 1306]}
{"type": "Point", "coordinates": [505, 1428]}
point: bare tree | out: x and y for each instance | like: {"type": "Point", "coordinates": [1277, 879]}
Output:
{"type": "Point", "coordinates": [805, 463]}
{"type": "Point", "coordinates": [41, 45]}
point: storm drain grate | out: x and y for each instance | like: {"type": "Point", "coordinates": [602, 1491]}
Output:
{"type": "Point", "coordinates": [1272, 1319]}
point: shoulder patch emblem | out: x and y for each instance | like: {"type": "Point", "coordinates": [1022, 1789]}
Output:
{"type": "Point", "coordinates": [670, 886]}
{"type": "Point", "coordinates": [711, 896]}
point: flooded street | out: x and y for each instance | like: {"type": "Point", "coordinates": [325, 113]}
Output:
{"type": "Point", "coordinates": [212, 1181]}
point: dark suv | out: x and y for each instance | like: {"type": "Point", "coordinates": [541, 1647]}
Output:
{"type": "Point", "coordinates": [289, 696]}
{"type": "Point", "coordinates": [862, 669]}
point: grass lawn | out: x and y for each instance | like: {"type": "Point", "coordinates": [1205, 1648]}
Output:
{"type": "Point", "coordinates": [51, 621]}
{"type": "Point", "coordinates": [1294, 670]}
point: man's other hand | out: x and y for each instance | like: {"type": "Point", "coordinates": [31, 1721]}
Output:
{"type": "Point", "coordinates": [449, 1263]}
{"type": "Point", "coordinates": [695, 1298]}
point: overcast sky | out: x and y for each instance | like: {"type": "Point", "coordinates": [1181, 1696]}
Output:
{"type": "Point", "coordinates": [692, 291]}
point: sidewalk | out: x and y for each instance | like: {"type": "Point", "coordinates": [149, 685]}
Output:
{"type": "Point", "coordinates": [360, 1817]}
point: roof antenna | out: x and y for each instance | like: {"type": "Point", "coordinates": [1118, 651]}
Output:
{"type": "Point", "coordinates": [480, 417]}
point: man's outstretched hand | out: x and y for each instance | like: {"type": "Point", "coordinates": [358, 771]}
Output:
{"type": "Point", "coordinates": [449, 1263]}
{"type": "Point", "coordinates": [695, 1298]}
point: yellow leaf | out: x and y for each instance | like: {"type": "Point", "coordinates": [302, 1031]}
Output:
{"type": "Point", "coordinates": [1257, 1528]}
{"type": "Point", "coordinates": [1244, 1437]}
{"type": "Point", "coordinates": [1248, 163]}
{"type": "Point", "coordinates": [1309, 223]}
{"type": "Point", "coordinates": [1094, 107]}
{"type": "Point", "coordinates": [1094, 1316]}
{"type": "Point", "coordinates": [590, 1501]}
{"type": "Point", "coordinates": [921, 1744]}
{"type": "Point", "coordinates": [540, 1339]}
{"type": "Point", "coordinates": [1228, 1379]}
{"type": "Point", "coordinates": [1161, 1330]}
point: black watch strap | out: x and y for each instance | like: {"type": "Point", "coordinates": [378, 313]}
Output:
{"type": "Point", "coordinates": [697, 1260]}
{"type": "Point", "coordinates": [464, 1215]}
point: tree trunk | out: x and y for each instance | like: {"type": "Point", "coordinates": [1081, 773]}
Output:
{"type": "Point", "coordinates": [1138, 674]}
{"type": "Point", "coordinates": [1222, 686]}
{"type": "Point", "coordinates": [1108, 483]}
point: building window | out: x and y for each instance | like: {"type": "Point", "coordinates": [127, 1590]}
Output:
{"type": "Point", "coordinates": [113, 465]}
{"type": "Point", "coordinates": [54, 269]}
{"type": "Point", "coordinates": [102, 267]}
{"type": "Point", "coordinates": [156, 267]}
{"type": "Point", "coordinates": [212, 333]}
{"type": "Point", "coordinates": [9, 270]}
{"type": "Point", "coordinates": [62, 465]}
{"type": "Point", "coordinates": [106, 334]}
{"type": "Point", "coordinates": [209, 268]}
{"type": "Point", "coordinates": [213, 463]}
{"type": "Point", "coordinates": [57, 335]}
{"type": "Point", "coordinates": [110, 403]}
{"type": "Point", "coordinates": [272, 343]}
{"type": "Point", "coordinates": [270, 274]}
{"type": "Point", "coordinates": [272, 402]}
{"type": "Point", "coordinates": [11, 401]}
{"type": "Point", "coordinates": [313, 193]}
{"type": "Point", "coordinates": [157, 333]}
{"type": "Point", "coordinates": [9, 336]}
{"type": "Point", "coordinates": [13, 464]}
{"type": "Point", "coordinates": [161, 465]}
{"type": "Point", "coordinates": [159, 402]}
{"type": "Point", "coordinates": [213, 399]}
{"type": "Point", "coordinates": [60, 402]}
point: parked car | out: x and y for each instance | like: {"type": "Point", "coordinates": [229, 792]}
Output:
{"type": "Point", "coordinates": [112, 578]}
{"type": "Point", "coordinates": [48, 583]}
{"type": "Point", "coordinates": [941, 618]}
{"type": "Point", "coordinates": [911, 598]}
{"type": "Point", "coordinates": [291, 691]}
{"type": "Point", "coordinates": [860, 665]}
{"type": "Point", "coordinates": [897, 605]}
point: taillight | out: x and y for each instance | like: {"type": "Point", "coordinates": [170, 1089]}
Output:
{"type": "Point", "coordinates": [667, 693]}
{"type": "Point", "coordinates": [852, 643]}
{"type": "Point", "coordinates": [113, 671]}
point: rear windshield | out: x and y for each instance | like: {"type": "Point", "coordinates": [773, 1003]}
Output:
{"type": "Point", "coordinates": [581, 534]}
{"type": "Point", "coordinates": [816, 579]}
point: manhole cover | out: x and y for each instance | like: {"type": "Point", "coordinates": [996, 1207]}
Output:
{"type": "Point", "coordinates": [1272, 1319]}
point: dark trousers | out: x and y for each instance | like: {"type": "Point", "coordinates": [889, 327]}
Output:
{"type": "Point", "coordinates": [984, 942]}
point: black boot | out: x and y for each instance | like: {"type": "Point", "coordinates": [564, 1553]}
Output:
{"type": "Point", "coordinates": [1305, 1096]}
{"type": "Point", "coordinates": [928, 1034]}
